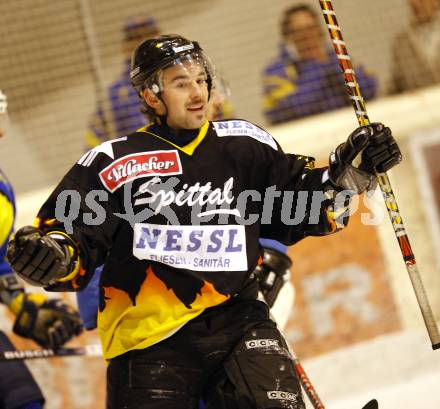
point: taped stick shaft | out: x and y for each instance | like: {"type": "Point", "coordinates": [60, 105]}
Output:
{"type": "Point", "coordinates": [19, 355]}
{"type": "Point", "coordinates": [307, 384]}
{"type": "Point", "coordinates": [358, 103]}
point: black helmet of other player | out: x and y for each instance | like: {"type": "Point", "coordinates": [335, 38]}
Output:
{"type": "Point", "coordinates": [152, 56]}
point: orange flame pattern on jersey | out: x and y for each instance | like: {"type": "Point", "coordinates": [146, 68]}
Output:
{"type": "Point", "coordinates": [156, 314]}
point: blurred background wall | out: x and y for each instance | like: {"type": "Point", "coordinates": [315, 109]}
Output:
{"type": "Point", "coordinates": [46, 66]}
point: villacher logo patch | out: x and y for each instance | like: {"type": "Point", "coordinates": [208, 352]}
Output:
{"type": "Point", "coordinates": [131, 167]}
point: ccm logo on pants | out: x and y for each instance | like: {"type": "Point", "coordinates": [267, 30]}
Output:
{"type": "Point", "coordinates": [261, 343]}
{"type": "Point", "coordinates": [280, 395]}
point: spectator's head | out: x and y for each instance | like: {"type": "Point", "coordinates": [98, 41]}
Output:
{"type": "Point", "coordinates": [137, 29]}
{"type": "Point", "coordinates": [219, 106]}
{"type": "Point", "coordinates": [174, 78]}
{"type": "Point", "coordinates": [424, 10]}
{"type": "Point", "coordinates": [301, 28]}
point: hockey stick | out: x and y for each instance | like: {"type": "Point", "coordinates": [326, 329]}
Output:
{"type": "Point", "coordinates": [305, 383]}
{"type": "Point", "coordinates": [304, 380]}
{"type": "Point", "coordinates": [382, 178]}
{"type": "Point", "coordinates": [94, 350]}
{"type": "Point", "coordinates": [310, 390]}
{"type": "Point", "coordinates": [18, 355]}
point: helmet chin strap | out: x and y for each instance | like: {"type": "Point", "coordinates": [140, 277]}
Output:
{"type": "Point", "coordinates": [162, 118]}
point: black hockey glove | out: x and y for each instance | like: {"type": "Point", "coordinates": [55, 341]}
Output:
{"type": "Point", "coordinates": [382, 152]}
{"type": "Point", "coordinates": [49, 322]}
{"type": "Point", "coordinates": [272, 273]}
{"type": "Point", "coordinates": [40, 259]}
{"type": "Point", "coordinates": [379, 153]}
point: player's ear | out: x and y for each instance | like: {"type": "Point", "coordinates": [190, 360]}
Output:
{"type": "Point", "coordinates": [153, 101]}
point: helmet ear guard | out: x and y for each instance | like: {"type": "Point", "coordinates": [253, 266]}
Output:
{"type": "Point", "coordinates": [155, 88]}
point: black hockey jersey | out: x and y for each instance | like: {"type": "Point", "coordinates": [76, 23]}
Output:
{"type": "Point", "coordinates": [177, 228]}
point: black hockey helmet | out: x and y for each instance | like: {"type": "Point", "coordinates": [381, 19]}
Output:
{"type": "Point", "coordinates": [155, 54]}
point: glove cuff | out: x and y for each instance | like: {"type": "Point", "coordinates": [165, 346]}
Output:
{"type": "Point", "coordinates": [71, 256]}
{"type": "Point", "coordinates": [276, 260]}
{"type": "Point", "coordinates": [26, 316]}
{"type": "Point", "coordinates": [344, 176]}
{"type": "Point", "coordinates": [272, 273]}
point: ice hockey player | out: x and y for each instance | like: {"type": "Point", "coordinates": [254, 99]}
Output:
{"type": "Point", "coordinates": [179, 317]}
{"type": "Point", "coordinates": [273, 273]}
{"type": "Point", "coordinates": [50, 323]}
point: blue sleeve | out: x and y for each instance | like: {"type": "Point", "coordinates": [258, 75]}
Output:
{"type": "Point", "coordinates": [301, 92]}
{"type": "Point", "coordinates": [300, 89]}
{"type": "Point", "coordinates": [125, 114]}
{"type": "Point", "coordinates": [88, 301]}
{"type": "Point", "coordinates": [125, 108]}
{"type": "Point", "coordinates": [273, 244]}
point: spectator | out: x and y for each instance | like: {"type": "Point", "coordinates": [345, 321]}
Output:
{"type": "Point", "coordinates": [124, 103]}
{"type": "Point", "coordinates": [416, 50]}
{"type": "Point", "coordinates": [305, 79]}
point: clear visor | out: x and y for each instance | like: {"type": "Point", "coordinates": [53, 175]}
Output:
{"type": "Point", "coordinates": [184, 72]}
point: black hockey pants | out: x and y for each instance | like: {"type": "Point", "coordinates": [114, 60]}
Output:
{"type": "Point", "coordinates": [231, 357]}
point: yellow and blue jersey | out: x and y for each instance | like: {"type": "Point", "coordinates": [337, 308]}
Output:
{"type": "Point", "coordinates": [295, 88]}
{"type": "Point", "coordinates": [7, 217]}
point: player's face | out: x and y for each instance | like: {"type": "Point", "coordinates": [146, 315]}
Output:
{"type": "Point", "coordinates": [185, 94]}
{"type": "Point", "coordinates": [305, 34]}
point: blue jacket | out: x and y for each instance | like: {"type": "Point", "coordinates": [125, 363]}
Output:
{"type": "Point", "coordinates": [125, 114]}
{"type": "Point", "coordinates": [294, 88]}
